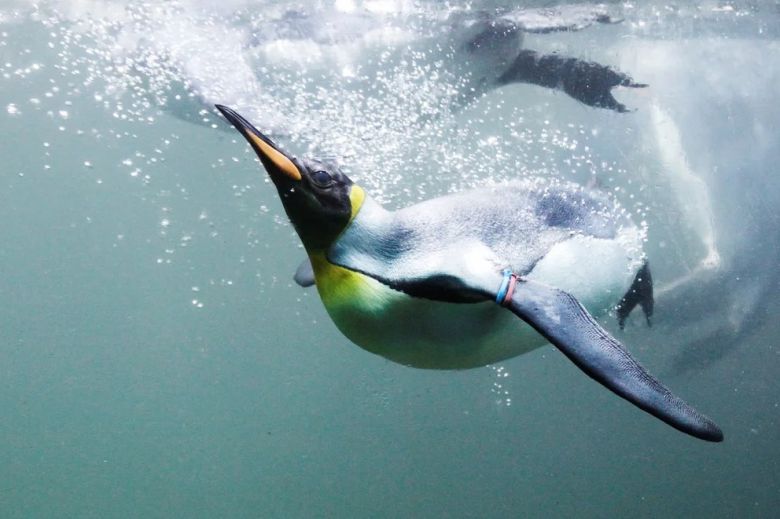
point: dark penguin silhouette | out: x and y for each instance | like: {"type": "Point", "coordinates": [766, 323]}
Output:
{"type": "Point", "coordinates": [491, 47]}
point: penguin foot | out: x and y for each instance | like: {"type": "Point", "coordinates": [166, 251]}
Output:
{"type": "Point", "coordinates": [630, 83]}
{"type": "Point", "coordinates": [640, 293]}
{"type": "Point", "coordinates": [592, 84]}
{"type": "Point", "coordinates": [586, 81]}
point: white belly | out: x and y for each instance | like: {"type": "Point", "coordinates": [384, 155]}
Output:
{"type": "Point", "coordinates": [438, 335]}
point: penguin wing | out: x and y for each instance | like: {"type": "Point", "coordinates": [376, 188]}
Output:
{"type": "Point", "coordinates": [562, 320]}
{"type": "Point", "coordinates": [304, 274]}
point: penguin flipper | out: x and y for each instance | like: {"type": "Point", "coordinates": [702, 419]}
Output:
{"type": "Point", "coordinates": [562, 320]}
{"type": "Point", "coordinates": [304, 274]}
{"type": "Point", "coordinates": [586, 81]}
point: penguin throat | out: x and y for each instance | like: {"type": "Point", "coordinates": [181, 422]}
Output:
{"type": "Point", "coordinates": [318, 233]}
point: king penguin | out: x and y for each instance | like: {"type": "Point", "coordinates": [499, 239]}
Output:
{"type": "Point", "coordinates": [470, 279]}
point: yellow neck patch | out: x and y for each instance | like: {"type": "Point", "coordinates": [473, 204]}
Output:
{"type": "Point", "coordinates": [341, 288]}
{"type": "Point", "coordinates": [356, 198]}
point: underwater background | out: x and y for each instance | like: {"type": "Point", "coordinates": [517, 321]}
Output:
{"type": "Point", "coordinates": [157, 360]}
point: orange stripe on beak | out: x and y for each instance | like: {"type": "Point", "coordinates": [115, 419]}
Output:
{"type": "Point", "coordinates": [280, 161]}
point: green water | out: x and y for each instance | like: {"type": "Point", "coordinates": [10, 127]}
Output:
{"type": "Point", "coordinates": [156, 359]}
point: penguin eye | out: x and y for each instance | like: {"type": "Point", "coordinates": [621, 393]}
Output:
{"type": "Point", "coordinates": [322, 178]}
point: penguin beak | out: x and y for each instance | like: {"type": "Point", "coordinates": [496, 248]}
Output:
{"type": "Point", "coordinates": [275, 160]}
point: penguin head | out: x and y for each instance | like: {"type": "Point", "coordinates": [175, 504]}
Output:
{"type": "Point", "coordinates": [490, 44]}
{"type": "Point", "coordinates": [319, 199]}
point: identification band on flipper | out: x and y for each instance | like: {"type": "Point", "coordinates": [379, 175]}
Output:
{"type": "Point", "coordinates": [507, 288]}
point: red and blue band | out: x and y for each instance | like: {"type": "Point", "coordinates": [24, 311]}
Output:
{"type": "Point", "coordinates": [507, 288]}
